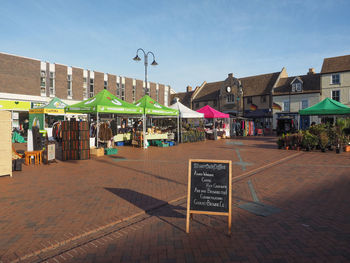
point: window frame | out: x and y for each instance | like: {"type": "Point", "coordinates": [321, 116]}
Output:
{"type": "Point", "coordinates": [335, 90]}
{"type": "Point", "coordinates": [301, 104]}
{"type": "Point", "coordinates": [249, 99]}
{"type": "Point", "coordinates": [332, 79]}
{"type": "Point", "coordinates": [91, 85]}
{"type": "Point", "coordinates": [52, 84]}
{"type": "Point", "coordinates": [69, 86]}
{"type": "Point", "coordinates": [230, 98]}
{"type": "Point", "coordinates": [284, 105]}
{"type": "Point", "coordinates": [43, 82]}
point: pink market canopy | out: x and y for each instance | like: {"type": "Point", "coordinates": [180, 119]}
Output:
{"type": "Point", "coordinates": [211, 113]}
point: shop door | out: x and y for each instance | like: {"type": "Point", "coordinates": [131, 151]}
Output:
{"type": "Point", "coordinates": [304, 122]}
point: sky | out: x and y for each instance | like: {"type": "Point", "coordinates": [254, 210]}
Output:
{"type": "Point", "coordinates": [193, 41]}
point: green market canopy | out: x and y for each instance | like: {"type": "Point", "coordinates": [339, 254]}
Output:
{"type": "Point", "coordinates": [151, 107]}
{"type": "Point", "coordinates": [104, 102]}
{"type": "Point", "coordinates": [326, 107]}
{"type": "Point", "coordinates": [55, 106]}
{"type": "Point", "coordinates": [37, 115]}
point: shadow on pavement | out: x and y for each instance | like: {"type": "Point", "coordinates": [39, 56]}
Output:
{"type": "Point", "coordinates": [140, 171]}
{"type": "Point", "coordinates": [150, 205]}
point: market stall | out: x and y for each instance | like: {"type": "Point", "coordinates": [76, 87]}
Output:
{"type": "Point", "coordinates": [191, 123]}
{"type": "Point", "coordinates": [217, 123]}
{"type": "Point", "coordinates": [154, 110]}
{"type": "Point", "coordinates": [44, 116]}
{"type": "Point", "coordinates": [105, 103]}
{"type": "Point", "coordinates": [327, 107]}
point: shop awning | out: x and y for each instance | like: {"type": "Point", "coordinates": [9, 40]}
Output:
{"type": "Point", "coordinates": [104, 102]}
{"type": "Point", "coordinates": [151, 107]}
{"type": "Point", "coordinates": [186, 112]}
{"type": "Point", "coordinates": [209, 113]}
{"type": "Point", "coordinates": [326, 107]}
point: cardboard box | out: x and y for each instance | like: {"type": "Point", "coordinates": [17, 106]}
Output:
{"type": "Point", "coordinates": [97, 152]}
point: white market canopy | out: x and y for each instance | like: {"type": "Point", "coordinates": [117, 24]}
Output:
{"type": "Point", "coordinates": [186, 112]}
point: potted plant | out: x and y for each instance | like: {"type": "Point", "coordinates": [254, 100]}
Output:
{"type": "Point", "coordinates": [339, 127]}
{"type": "Point", "coordinates": [280, 143]}
{"type": "Point", "coordinates": [323, 140]}
{"type": "Point", "coordinates": [299, 139]}
{"type": "Point", "coordinates": [287, 139]}
{"type": "Point", "coordinates": [309, 141]}
{"type": "Point", "coordinates": [331, 137]}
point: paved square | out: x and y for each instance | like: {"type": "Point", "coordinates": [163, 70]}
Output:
{"type": "Point", "coordinates": [104, 209]}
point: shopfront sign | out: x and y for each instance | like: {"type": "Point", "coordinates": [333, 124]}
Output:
{"type": "Point", "coordinates": [209, 189]}
{"type": "Point", "coordinates": [14, 105]}
{"type": "Point", "coordinates": [51, 152]}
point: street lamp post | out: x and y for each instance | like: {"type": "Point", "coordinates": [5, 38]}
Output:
{"type": "Point", "coordinates": [154, 63]}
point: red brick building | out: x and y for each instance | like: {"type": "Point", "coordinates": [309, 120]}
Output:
{"type": "Point", "coordinates": [24, 81]}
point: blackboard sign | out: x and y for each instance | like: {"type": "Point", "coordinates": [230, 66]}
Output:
{"type": "Point", "coordinates": [209, 188]}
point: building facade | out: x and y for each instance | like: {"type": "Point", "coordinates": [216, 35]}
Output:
{"type": "Point", "coordinates": [249, 97]}
{"type": "Point", "coordinates": [292, 94]}
{"type": "Point", "coordinates": [25, 82]}
{"type": "Point", "coordinates": [335, 79]}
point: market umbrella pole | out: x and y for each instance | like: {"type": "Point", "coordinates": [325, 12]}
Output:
{"type": "Point", "coordinates": [178, 129]}
{"type": "Point", "coordinates": [144, 132]}
{"type": "Point", "coordinates": [98, 129]}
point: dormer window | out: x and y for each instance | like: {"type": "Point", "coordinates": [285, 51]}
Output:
{"type": "Point", "coordinates": [297, 85]}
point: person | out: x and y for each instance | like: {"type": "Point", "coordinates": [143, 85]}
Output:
{"type": "Point", "coordinates": [25, 127]}
{"type": "Point", "coordinates": [313, 123]}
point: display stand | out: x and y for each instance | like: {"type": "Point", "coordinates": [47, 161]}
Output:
{"type": "Point", "coordinates": [5, 144]}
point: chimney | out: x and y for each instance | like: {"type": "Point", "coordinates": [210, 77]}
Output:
{"type": "Point", "coordinates": [311, 71]}
{"type": "Point", "coordinates": [230, 75]}
{"type": "Point", "coordinates": [188, 88]}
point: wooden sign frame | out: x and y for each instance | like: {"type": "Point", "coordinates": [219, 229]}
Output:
{"type": "Point", "coordinates": [191, 212]}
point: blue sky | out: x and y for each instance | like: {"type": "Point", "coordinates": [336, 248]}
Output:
{"type": "Point", "coordinates": [194, 41]}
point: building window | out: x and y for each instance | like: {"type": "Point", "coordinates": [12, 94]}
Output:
{"type": "Point", "coordinates": [69, 86]}
{"type": "Point", "coordinates": [134, 92]}
{"type": "Point", "coordinates": [197, 105]}
{"type": "Point", "coordinates": [335, 78]}
{"type": "Point", "coordinates": [249, 100]}
{"type": "Point", "coordinates": [157, 93]}
{"type": "Point", "coordinates": [43, 83]}
{"type": "Point", "coordinates": [304, 104]}
{"type": "Point", "coordinates": [215, 103]}
{"type": "Point", "coordinates": [230, 98]}
{"type": "Point", "coordinates": [296, 87]}
{"type": "Point", "coordinates": [286, 106]}
{"type": "Point", "coordinates": [91, 88]}
{"type": "Point", "coordinates": [336, 95]}
{"type": "Point", "coordinates": [85, 93]}
{"type": "Point", "coordinates": [52, 84]}
{"type": "Point", "coordinates": [263, 99]}
{"type": "Point", "coordinates": [105, 84]}
{"type": "Point", "coordinates": [123, 91]}
{"type": "Point", "coordinates": [118, 87]}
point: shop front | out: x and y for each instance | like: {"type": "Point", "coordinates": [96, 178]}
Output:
{"type": "Point", "coordinates": [19, 112]}
{"type": "Point", "coordinates": [262, 120]}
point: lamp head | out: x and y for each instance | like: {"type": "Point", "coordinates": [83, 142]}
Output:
{"type": "Point", "coordinates": [136, 58]}
{"type": "Point", "coordinates": [154, 63]}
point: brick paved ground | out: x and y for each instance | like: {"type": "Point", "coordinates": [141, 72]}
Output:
{"type": "Point", "coordinates": [48, 205]}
